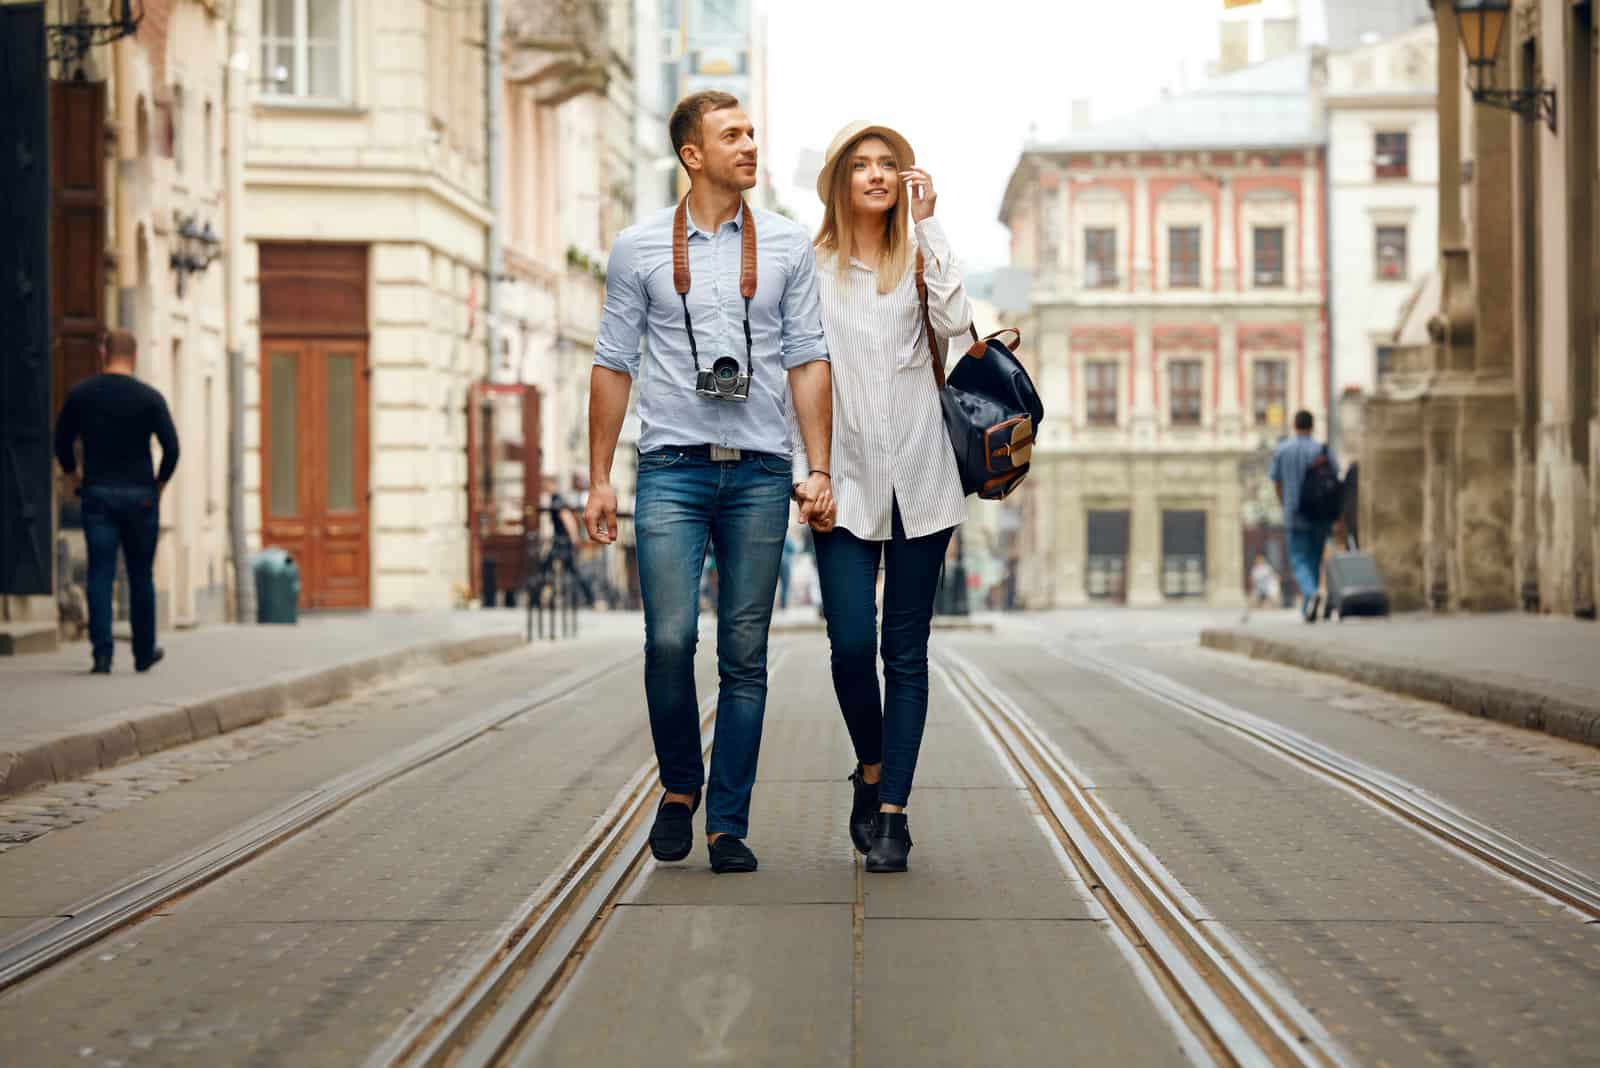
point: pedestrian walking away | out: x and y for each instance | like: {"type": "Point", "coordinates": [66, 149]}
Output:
{"type": "Point", "coordinates": [1295, 458]}
{"type": "Point", "coordinates": [726, 297]}
{"type": "Point", "coordinates": [116, 415]}
{"type": "Point", "coordinates": [897, 492]}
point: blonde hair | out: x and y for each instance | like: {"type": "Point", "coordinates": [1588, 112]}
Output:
{"type": "Point", "coordinates": [837, 234]}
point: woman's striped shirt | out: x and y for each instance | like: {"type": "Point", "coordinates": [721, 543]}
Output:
{"type": "Point", "coordinates": [889, 441]}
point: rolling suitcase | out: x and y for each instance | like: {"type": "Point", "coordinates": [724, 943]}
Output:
{"type": "Point", "coordinates": [1355, 588]}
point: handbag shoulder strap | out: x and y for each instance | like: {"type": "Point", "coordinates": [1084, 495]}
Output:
{"type": "Point", "coordinates": [927, 326]}
{"type": "Point", "coordinates": [979, 346]}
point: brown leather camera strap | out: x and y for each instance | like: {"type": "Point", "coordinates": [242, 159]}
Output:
{"type": "Point", "coordinates": [747, 274]}
{"type": "Point", "coordinates": [747, 250]}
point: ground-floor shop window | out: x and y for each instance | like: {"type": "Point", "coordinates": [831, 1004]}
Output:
{"type": "Point", "coordinates": [1183, 553]}
{"type": "Point", "coordinates": [1106, 574]}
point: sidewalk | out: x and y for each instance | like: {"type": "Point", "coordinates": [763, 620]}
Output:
{"type": "Point", "coordinates": [58, 722]}
{"type": "Point", "coordinates": [1533, 671]}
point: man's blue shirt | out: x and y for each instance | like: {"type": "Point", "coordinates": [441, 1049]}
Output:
{"type": "Point", "coordinates": [785, 325]}
{"type": "Point", "coordinates": [1290, 461]}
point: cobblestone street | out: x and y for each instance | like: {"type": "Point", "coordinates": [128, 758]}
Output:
{"type": "Point", "coordinates": [1102, 803]}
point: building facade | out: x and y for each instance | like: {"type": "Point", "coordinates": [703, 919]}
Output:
{"type": "Point", "coordinates": [363, 291]}
{"type": "Point", "coordinates": [1177, 321]}
{"type": "Point", "coordinates": [137, 216]}
{"type": "Point", "coordinates": [1383, 162]}
{"type": "Point", "coordinates": [1481, 455]}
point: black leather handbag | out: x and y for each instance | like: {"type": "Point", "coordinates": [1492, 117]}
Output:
{"type": "Point", "coordinates": [991, 409]}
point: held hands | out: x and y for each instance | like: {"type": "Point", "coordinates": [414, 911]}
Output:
{"type": "Point", "coordinates": [817, 508]}
{"type": "Point", "coordinates": [919, 189]}
{"type": "Point", "coordinates": [600, 514]}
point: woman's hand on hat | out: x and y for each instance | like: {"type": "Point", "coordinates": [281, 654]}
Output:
{"type": "Point", "coordinates": [919, 190]}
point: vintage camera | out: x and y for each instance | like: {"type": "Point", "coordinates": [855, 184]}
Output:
{"type": "Point", "coordinates": [724, 381]}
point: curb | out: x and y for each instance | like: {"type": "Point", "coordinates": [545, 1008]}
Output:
{"type": "Point", "coordinates": [1489, 700]}
{"type": "Point", "coordinates": [143, 731]}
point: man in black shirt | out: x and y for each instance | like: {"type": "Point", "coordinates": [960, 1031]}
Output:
{"type": "Point", "coordinates": [116, 415]}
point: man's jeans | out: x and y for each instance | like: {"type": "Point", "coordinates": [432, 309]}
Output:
{"type": "Point", "coordinates": [128, 517]}
{"type": "Point", "coordinates": [890, 733]}
{"type": "Point", "coordinates": [742, 509]}
{"type": "Point", "coordinates": [1306, 543]}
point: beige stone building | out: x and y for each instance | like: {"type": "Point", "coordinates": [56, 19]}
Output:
{"type": "Point", "coordinates": [1481, 459]}
{"type": "Point", "coordinates": [363, 291]}
{"type": "Point", "coordinates": [138, 216]}
{"type": "Point", "coordinates": [1177, 320]}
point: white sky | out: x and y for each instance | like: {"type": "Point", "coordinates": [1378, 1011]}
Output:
{"type": "Point", "coordinates": [964, 82]}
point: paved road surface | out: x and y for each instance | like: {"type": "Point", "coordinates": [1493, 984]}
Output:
{"type": "Point", "coordinates": [1377, 943]}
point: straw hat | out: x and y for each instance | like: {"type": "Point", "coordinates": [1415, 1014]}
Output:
{"type": "Point", "coordinates": [852, 132]}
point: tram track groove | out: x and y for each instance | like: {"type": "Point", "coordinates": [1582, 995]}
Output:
{"type": "Point", "coordinates": [1417, 808]}
{"type": "Point", "coordinates": [87, 922]}
{"type": "Point", "coordinates": [490, 1013]}
{"type": "Point", "coordinates": [1236, 1010]}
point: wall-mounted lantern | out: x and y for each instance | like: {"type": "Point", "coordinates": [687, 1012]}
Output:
{"type": "Point", "coordinates": [198, 247]}
{"type": "Point", "coordinates": [1483, 24]}
{"type": "Point", "coordinates": [70, 41]}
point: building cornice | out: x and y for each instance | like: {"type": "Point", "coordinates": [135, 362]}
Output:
{"type": "Point", "coordinates": [1419, 101]}
{"type": "Point", "coordinates": [368, 179]}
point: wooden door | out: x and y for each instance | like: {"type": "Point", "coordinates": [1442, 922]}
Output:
{"type": "Point", "coordinates": [77, 230]}
{"type": "Point", "coordinates": [314, 500]}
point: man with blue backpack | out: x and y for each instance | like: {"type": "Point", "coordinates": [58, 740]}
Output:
{"type": "Point", "coordinates": [1307, 478]}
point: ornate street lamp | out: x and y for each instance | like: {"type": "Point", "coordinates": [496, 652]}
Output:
{"type": "Point", "coordinates": [70, 41]}
{"type": "Point", "coordinates": [197, 249]}
{"type": "Point", "coordinates": [1482, 24]}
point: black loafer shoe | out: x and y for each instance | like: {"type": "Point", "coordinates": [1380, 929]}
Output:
{"type": "Point", "coordinates": [863, 811]}
{"type": "Point", "coordinates": [730, 856]}
{"type": "Point", "coordinates": [102, 666]}
{"type": "Point", "coordinates": [156, 656]}
{"type": "Point", "coordinates": [891, 843]}
{"type": "Point", "coordinates": [672, 837]}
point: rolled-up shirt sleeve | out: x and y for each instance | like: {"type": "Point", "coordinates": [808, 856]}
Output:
{"type": "Point", "coordinates": [799, 462]}
{"type": "Point", "coordinates": [802, 309]}
{"type": "Point", "coordinates": [947, 298]}
{"type": "Point", "coordinates": [622, 322]}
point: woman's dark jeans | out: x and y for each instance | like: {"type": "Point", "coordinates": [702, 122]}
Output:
{"type": "Point", "coordinates": [889, 732]}
{"type": "Point", "coordinates": [129, 518]}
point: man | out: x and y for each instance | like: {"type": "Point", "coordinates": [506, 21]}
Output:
{"type": "Point", "coordinates": [1307, 537]}
{"type": "Point", "coordinates": [116, 415]}
{"type": "Point", "coordinates": [727, 299]}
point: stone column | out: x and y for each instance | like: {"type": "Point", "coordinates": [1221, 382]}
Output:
{"type": "Point", "coordinates": [1454, 255]}
{"type": "Point", "coordinates": [1440, 420]}
{"type": "Point", "coordinates": [1071, 536]}
{"type": "Point", "coordinates": [1144, 537]}
{"type": "Point", "coordinates": [1230, 417]}
{"type": "Point", "coordinates": [1227, 249]}
{"type": "Point", "coordinates": [1141, 409]}
{"type": "Point", "coordinates": [1493, 258]}
{"type": "Point", "coordinates": [1139, 236]}
{"type": "Point", "coordinates": [1485, 458]}
{"type": "Point", "coordinates": [1226, 537]}
{"type": "Point", "coordinates": [1391, 496]}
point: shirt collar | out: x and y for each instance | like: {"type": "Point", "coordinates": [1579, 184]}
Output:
{"type": "Point", "coordinates": [695, 228]}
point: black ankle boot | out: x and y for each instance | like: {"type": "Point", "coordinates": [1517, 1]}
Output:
{"type": "Point", "coordinates": [863, 811]}
{"type": "Point", "coordinates": [891, 843]}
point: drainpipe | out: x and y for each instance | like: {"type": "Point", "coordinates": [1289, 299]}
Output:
{"type": "Point", "coordinates": [491, 155]}
{"type": "Point", "coordinates": [244, 589]}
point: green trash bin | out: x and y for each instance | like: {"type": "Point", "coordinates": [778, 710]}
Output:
{"type": "Point", "coordinates": [277, 587]}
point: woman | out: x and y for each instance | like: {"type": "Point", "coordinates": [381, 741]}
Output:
{"type": "Point", "coordinates": [897, 495]}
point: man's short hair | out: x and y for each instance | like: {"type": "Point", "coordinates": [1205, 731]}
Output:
{"type": "Point", "coordinates": [684, 126]}
{"type": "Point", "coordinates": [121, 345]}
{"type": "Point", "coordinates": [1303, 420]}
